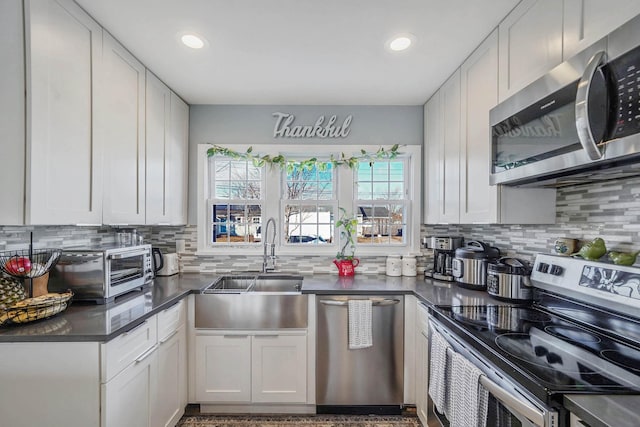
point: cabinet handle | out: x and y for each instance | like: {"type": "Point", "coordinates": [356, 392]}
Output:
{"type": "Point", "coordinates": [169, 337]}
{"type": "Point", "coordinates": [424, 334]}
{"type": "Point", "coordinates": [266, 336]}
{"type": "Point", "coordinates": [235, 336]}
{"type": "Point", "coordinates": [130, 331]}
{"type": "Point", "coordinates": [146, 354]}
{"type": "Point", "coordinates": [374, 303]}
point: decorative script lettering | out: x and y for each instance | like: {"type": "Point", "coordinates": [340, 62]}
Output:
{"type": "Point", "coordinates": [284, 127]}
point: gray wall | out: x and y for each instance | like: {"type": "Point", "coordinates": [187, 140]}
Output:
{"type": "Point", "coordinates": [253, 125]}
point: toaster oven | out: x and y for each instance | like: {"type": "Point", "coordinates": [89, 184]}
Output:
{"type": "Point", "coordinates": [102, 274]}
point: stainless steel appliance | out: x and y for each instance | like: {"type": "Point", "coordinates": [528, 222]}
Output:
{"type": "Point", "coordinates": [368, 380]}
{"type": "Point", "coordinates": [508, 278]}
{"type": "Point", "coordinates": [578, 123]}
{"type": "Point", "coordinates": [581, 335]}
{"type": "Point", "coordinates": [444, 248]}
{"type": "Point", "coordinates": [469, 267]}
{"type": "Point", "coordinates": [102, 274]}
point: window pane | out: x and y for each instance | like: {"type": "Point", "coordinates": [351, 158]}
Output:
{"type": "Point", "coordinates": [315, 183]}
{"type": "Point", "coordinates": [308, 224]}
{"type": "Point", "coordinates": [382, 224]}
{"type": "Point", "coordinates": [222, 169]}
{"type": "Point", "coordinates": [381, 171]}
{"type": "Point", "coordinates": [380, 190]}
{"type": "Point", "coordinates": [396, 171]}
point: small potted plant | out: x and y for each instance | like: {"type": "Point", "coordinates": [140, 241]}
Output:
{"type": "Point", "coordinates": [345, 259]}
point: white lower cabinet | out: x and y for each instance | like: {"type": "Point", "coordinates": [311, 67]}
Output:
{"type": "Point", "coordinates": [422, 363]}
{"type": "Point", "coordinates": [128, 400]}
{"type": "Point", "coordinates": [251, 367]}
{"type": "Point", "coordinates": [171, 396]}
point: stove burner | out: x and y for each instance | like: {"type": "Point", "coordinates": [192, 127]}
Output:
{"type": "Point", "coordinates": [627, 358]}
{"type": "Point", "coordinates": [572, 333]}
{"type": "Point", "coordinates": [520, 346]}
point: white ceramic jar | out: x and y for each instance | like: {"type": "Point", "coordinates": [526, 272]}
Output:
{"type": "Point", "coordinates": [409, 265]}
{"type": "Point", "coordinates": [394, 265]}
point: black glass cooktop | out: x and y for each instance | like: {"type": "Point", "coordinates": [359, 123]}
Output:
{"type": "Point", "coordinates": [549, 354]}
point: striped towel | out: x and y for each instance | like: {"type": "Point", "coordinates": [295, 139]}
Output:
{"type": "Point", "coordinates": [360, 328]}
{"type": "Point", "coordinates": [438, 372]}
{"type": "Point", "coordinates": [469, 399]}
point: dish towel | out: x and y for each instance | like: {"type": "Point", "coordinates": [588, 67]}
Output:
{"type": "Point", "coordinates": [470, 400]}
{"type": "Point", "coordinates": [360, 334]}
{"type": "Point", "coordinates": [438, 371]}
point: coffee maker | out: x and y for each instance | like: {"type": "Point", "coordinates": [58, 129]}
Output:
{"type": "Point", "coordinates": [444, 248]}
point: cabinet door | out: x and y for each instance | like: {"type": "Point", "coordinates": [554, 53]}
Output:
{"type": "Point", "coordinates": [158, 113]}
{"type": "Point", "coordinates": [422, 364]}
{"type": "Point", "coordinates": [12, 104]}
{"type": "Point", "coordinates": [178, 160]}
{"type": "Point", "coordinates": [64, 157]}
{"type": "Point", "coordinates": [586, 21]}
{"type": "Point", "coordinates": [223, 368]}
{"type": "Point", "coordinates": [449, 202]}
{"type": "Point", "coordinates": [530, 44]}
{"type": "Point", "coordinates": [479, 87]}
{"type": "Point", "coordinates": [122, 129]}
{"type": "Point", "coordinates": [128, 399]}
{"type": "Point", "coordinates": [433, 145]}
{"type": "Point", "coordinates": [172, 379]}
{"type": "Point", "coordinates": [279, 369]}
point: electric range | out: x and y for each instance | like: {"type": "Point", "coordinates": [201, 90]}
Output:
{"type": "Point", "coordinates": [581, 334]}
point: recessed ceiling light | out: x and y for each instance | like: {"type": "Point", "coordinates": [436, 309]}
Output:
{"type": "Point", "coordinates": [193, 41]}
{"type": "Point", "coordinates": [401, 42]}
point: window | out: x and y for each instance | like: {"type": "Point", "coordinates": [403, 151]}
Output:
{"type": "Point", "coordinates": [236, 197]}
{"type": "Point", "coordinates": [309, 203]}
{"type": "Point", "coordinates": [235, 200]}
{"type": "Point", "coordinates": [381, 203]}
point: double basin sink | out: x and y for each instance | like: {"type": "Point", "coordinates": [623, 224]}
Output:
{"type": "Point", "coordinates": [252, 302]}
{"type": "Point", "coordinates": [236, 284]}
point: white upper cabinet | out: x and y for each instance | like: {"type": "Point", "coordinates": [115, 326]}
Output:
{"type": "Point", "coordinates": [179, 160]}
{"type": "Point", "coordinates": [167, 154]}
{"type": "Point", "coordinates": [64, 157]}
{"type": "Point", "coordinates": [586, 21]}
{"type": "Point", "coordinates": [121, 124]}
{"type": "Point", "coordinates": [433, 143]}
{"type": "Point", "coordinates": [479, 88]}
{"type": "Point", "coordinates": [158, 117]}
{"type": "Point", "coordinates": [530, 44]}
{"type": "Point", "coordinates": [442, 154]}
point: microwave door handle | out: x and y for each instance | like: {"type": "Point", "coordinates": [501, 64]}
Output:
{"type": "Point", "coordinates": [589, 144]}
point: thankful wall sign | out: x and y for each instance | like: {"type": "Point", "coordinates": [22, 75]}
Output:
{"type": "Point", "coordinates": [323, 128]}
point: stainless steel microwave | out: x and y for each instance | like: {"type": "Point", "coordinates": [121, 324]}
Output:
{"type": "Point", "coordinates": [102, 274]}
{"type": "Point", "coordinates": [578, 123]}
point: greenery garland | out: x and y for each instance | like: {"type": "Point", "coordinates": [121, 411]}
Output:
{"type": "Point", "coordinates": [283, 163]}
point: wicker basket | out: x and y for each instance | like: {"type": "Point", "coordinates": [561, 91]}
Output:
{"type": "Point", "coordinates": [31, 309]}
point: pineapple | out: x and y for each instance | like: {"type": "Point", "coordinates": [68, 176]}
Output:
{"type": "Point", "coordinates": [11, 291]}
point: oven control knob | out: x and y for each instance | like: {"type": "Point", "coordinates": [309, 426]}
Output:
{"type": "Point", "coordinates": [556, 270]}
{"type": "Point", "coordinates": [543, 267]}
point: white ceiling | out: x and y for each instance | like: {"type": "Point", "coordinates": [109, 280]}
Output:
{"type": "Point", "coordinates": [301, 52]}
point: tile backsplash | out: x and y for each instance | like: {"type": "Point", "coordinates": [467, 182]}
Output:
{"type": "Point", "coordinates": [610, 210]}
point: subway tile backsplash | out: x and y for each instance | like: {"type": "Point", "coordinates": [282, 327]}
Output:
{"type": "Point", "coordinates": [610, 210]}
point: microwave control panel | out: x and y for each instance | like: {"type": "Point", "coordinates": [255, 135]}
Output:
{"type": "Point", "coordinates": [624, 75]}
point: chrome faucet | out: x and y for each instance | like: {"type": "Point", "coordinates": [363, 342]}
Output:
{"type": "Point", "coordinates": [269, 261]}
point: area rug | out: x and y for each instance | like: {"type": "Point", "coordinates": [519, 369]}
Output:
{"type": "Point", "coordinates": [298, 420]}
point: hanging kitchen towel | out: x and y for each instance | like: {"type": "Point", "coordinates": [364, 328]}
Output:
{"type": "Point", "coordinates": [360, 334]}
{"type": "Point", "coordinates": [438, 370]}
{"type": "Point", "coordinates": [469, 398]}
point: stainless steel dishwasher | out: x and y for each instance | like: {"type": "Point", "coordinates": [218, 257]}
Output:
{"type": "Point", "coordinates": [362, 381]}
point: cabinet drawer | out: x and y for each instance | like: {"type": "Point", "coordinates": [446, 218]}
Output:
{"type": "Point", "coordinates": [123, 350]}
{"type": "Point", "coordinates": [170, 319]}
{"type": "Point", "coordinates": [422, 316]}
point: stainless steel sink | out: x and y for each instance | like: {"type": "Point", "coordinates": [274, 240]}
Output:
{"type": "Point", "coordinates": [259, 301]}
{"type": "Point", "coordinates": [231, 284]}
{"type": "Point", "coordinates": [277, 283]}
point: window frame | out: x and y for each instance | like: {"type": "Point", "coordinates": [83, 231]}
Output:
{"type": "Point", "coordinates": [345, 190]}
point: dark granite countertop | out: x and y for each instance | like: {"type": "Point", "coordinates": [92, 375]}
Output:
{"type": "Point", "coordinates": [604, 411]}
{"type": "Point", "coordinates": [91, 322]}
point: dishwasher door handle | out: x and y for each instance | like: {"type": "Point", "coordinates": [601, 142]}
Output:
{"type": "Point", "coordinates": [375, 303]}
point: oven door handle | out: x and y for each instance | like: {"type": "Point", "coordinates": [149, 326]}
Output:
{"type": "Point", "coordinates": [128, 254]}
{"type": "Point", "coordinates": [512, 402]}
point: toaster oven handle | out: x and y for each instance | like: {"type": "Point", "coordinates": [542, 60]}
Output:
{"type": "Point", "coordinates": [588, 142]}
{"type": "Point", "coordinates": [128, 254]}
